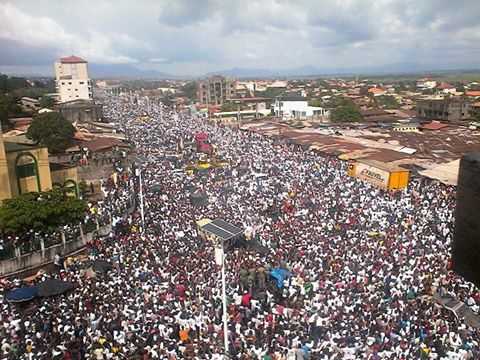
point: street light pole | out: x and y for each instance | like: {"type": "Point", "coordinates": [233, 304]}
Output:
{"type": "Point", "coordinates": [224, 296]}
{"type": "Point", "coordinates": [141, 198]}
{"type": "Point", "coordinates": [139, 160]}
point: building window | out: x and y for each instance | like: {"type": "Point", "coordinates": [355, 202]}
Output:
{"type": "Point", "coordinates": [26, 170]}
{"type": "Point", "coordinates": [76, 89]}
{"type": "Point", "coordinates": [81, 82]}
{"type": "Point", "coordinates": [63, 82]}
{"type": "Point", "coordinates": [69, 83]}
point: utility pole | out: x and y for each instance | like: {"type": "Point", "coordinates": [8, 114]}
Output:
{"type": "Point", "coordinates": [141, 198]}
{"type": "Point", "coordinates": [224, 296]}
{"type": "Point", "coordinates": [139, 160]}
{"type": "Point", "coordinates": [220, 261]}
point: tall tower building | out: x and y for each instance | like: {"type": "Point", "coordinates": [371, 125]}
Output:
{"type": "Point", "coordinates": [5, 189]}
{"type": "Point", "coordinates": [72, 81]}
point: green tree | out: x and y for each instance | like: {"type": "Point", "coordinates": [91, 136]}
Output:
{"type": "Point", "coordinates": [345, 113]}
{"type": "Point", "coordinates": [47, 102]}
{"type": "Point", "coordinates": [270, 93]}
{"type": "Point", "coordinates": [387, 102]}
{"type": "Point", "coordinates": [338, 101]}
{"type": "Point", "coordinates": [315, 102]}
{"type": "Point", "coordinates": [51, 130]}
{"type": "Point", "coordinates": [323, 83]}
{"type": "Point", "coordinates": [363, 91]}
{"type": "Point", "coordinates": [229, 107]}
{"type": "Point", "coordinates": [43, 212]}
{"type": "Point", "coordinates": [82, 188]}
{"type": "Point", "coordinates": [190, 90]}
{"type": "Point", "coordinates": [15, 83]}
{"type": "Point", "coordinates": [8, 108]}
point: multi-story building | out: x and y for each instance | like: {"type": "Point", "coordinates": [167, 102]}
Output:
{"type": "Point", "coordinates": [72, 81]}
{"type": "Point", "coordinates": [216, 90]}
{"type": "Point", "coordinates": [447, 109]}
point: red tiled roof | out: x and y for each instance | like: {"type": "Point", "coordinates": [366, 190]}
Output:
{"type": "Point", "coordinates": [72, 59]}
{"type": "Point", "coordinates": [434, 126]}
{"type": "Point", "coordinates": [473, 93]}
{"type": "Point", "coordinates": [445, 85]}
{"type": "Point", "coordinates": [375, 90]}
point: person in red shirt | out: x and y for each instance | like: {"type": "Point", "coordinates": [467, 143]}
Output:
{"type": "Point", "coordinates": [246, 300]}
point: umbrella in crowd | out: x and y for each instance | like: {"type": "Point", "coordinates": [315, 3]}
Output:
{"type": "Point", "coordinates": [52, 287]}
{"type": "Point", "coordinates": [101, 266]}
{"type": "Point", "coordinates": [280, 275]}
{"type": "Point", "coordinates": [198, 199]}
{"type": "Point", "coordinates": [22, 294]}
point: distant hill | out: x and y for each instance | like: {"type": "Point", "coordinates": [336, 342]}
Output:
{"type": "Point", "coordinates": [309, 70]}
{"type": "Point", "coordinates": [124, 71]}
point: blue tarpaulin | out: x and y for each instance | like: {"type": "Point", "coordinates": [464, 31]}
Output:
{"type": "Point", "coordinates": [280, 275]}
{"type": "Point", "coordinates": [22, 294]}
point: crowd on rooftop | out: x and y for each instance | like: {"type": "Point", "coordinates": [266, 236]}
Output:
{"type": "Point", "coordinates": [364, 262]}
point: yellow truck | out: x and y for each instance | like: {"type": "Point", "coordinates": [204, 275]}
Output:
{"type": "Point", "coordinates": [380, 174]}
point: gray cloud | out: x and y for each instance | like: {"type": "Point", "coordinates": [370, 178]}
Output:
{"type": "Point", "coordinates": [13, 53]}
{"type": "Point", "coordinates": [188, 12]}
{"type": "Point", "coordinates": [192, 36]}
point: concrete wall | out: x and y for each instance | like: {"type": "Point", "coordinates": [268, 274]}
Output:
{"type": "Point", "coordinates": [81, 113]}
{"type": "Point", "coordinates": [40, 258]}
{"type": "Point", "coordinates": [59, 176]}
{"type": "Point", "coordinates": [5, 190]}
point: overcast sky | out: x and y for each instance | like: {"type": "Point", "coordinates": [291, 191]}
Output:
{"type": "Point", "coordinates": [192, 37]}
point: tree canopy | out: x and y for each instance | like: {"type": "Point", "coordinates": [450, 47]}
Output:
{"type": "Point", "coordinates": [51, 130]}
{"type": "Point", "coordinates": [47, 101]}
{"type": "Point", "coordinates": [12, 89]}
{"type": "Point", "coordinates": [190, 90]}
{"type": "Point", "coordinates": [229, 107]}
{"type": "Point", "coordinates": [345, 113]}
{"type": "Point", "coordinates": [8, 108]}
{"type": "Point", "coordinates": [42, 212]}
{"type": "Point", "coordinates": [387, 102]}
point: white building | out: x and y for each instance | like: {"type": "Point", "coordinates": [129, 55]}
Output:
{"type": "Point", "coordinates": [297, 108]}
{"type": "Point", "coordinates": [426, 83]}
{"type": "Point", "coordinates": [446, 88]}
{"type": "Point", "coordinates": [72, 81]}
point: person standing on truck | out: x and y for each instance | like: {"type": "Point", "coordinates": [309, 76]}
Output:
{"type": "Point", "coordinates": [57, 262]}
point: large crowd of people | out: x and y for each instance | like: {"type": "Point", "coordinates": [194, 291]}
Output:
{"type": "Point", "coordinates": [364, 262]}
